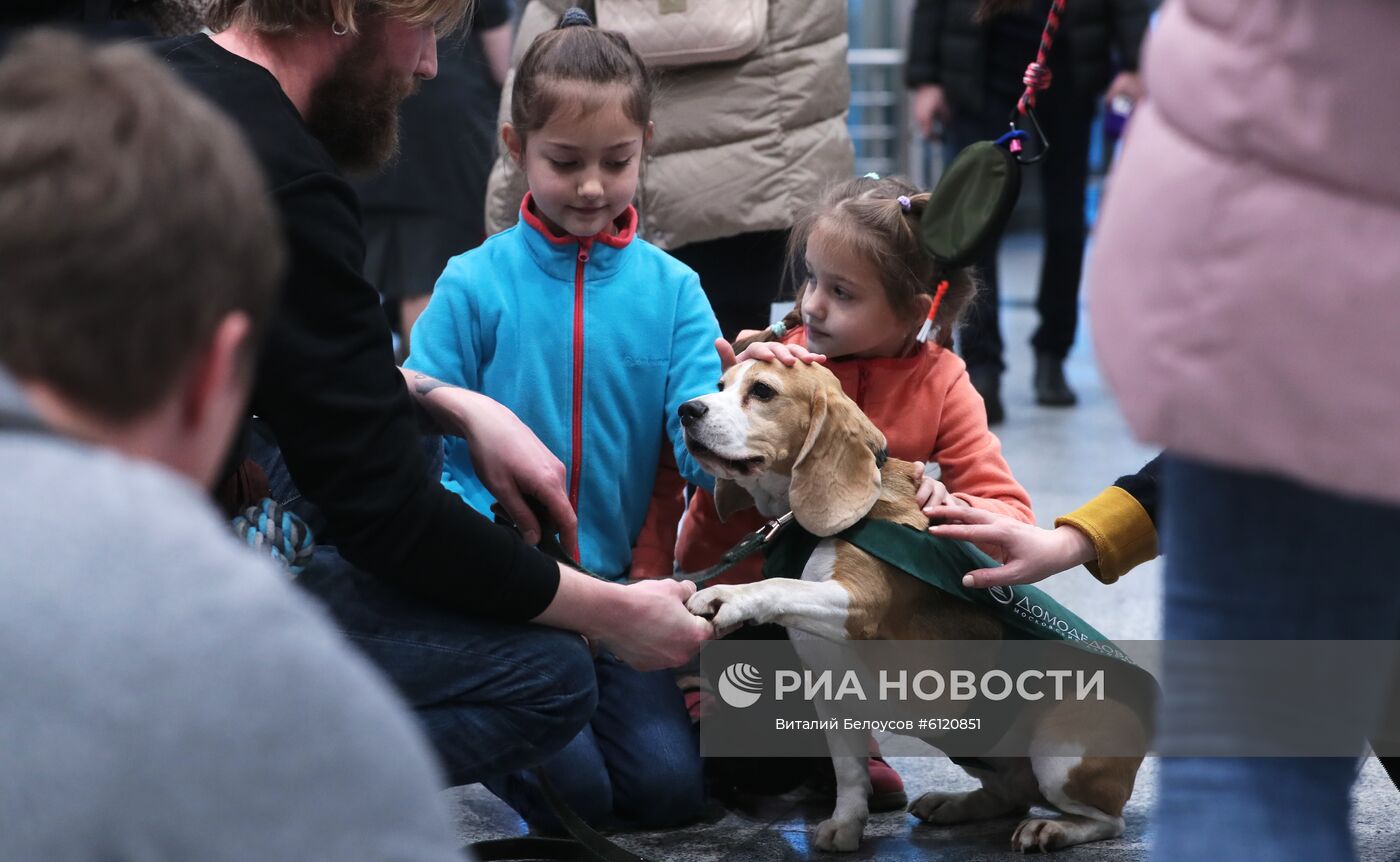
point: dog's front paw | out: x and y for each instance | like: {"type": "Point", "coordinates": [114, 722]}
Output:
{"type": "Point", "coordinates": [708, 601]}
{"type": "Point", "coordinates": [841, 836]}
{"type": "Point", "coordinates": [730, 605]}
{"type": "Point", "coordinates": [1038, 834]}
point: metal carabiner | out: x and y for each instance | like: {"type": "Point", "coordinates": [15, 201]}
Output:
{"type": "Point", "coordinates": [774, 527]}
{"type": "Point", "coordinates": [1016, 133]}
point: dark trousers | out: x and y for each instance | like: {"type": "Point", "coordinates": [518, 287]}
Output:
{"type": "Point", "coordinates": [636, 764]}
{"type": "Point", "coordinates": [493, 698]}
{"type": "Point", "coordinates": [742, 276]}
{"type": "Point", "coordinates": [1066, 116]}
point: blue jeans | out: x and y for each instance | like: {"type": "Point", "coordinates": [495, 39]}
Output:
{"type": "Point", "coordinates": [636, 765]}
{"type": "Point", "coordinates": [492, 697]}
{"type": "Point", "coordinates": [1253, 557]}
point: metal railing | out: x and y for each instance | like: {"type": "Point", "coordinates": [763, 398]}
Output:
{"type": "Point", "coordinates": [879, 122]}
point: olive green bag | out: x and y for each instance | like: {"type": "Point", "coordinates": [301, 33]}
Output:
{"type": "Point", "coordinates": [969, 207]}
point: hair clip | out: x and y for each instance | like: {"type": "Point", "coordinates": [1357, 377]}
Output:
{"type": "Point", "coordinates": [904, 203]}
{"type": "Point", "coordinates": [778, 329]}
{"type": "Point", "coordinates": [575, 17]}
{"type": "Point", "coordinates": [871, 176]}
{"type": "Point", "coordinates": [926, 330]}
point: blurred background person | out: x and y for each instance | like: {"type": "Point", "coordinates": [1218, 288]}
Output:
{"type": "Point", "coordinates": [965, 71]}
{"type": "Point", "coordinates": [429, 204]}
{"type": "Point", "coordinates": [1268, 375]}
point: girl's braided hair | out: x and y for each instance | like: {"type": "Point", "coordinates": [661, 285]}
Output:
{"type": "Point", "coordinates": [869, 217]}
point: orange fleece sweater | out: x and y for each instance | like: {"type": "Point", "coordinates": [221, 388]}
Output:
{"type": "Point", "coordinates": [928, 411]}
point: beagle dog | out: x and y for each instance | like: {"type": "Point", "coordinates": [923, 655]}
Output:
{"type": "Point", "coordinates": [788, 439]}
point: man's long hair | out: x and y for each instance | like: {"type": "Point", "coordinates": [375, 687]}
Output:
{"type": "Point", "coordinates": [279, 16]}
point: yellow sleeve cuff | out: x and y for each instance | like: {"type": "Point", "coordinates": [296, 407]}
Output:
{"type": "Point", "coordinates": [1123, 535]}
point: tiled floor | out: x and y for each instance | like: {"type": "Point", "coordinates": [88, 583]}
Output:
{"type": "Point", "coordinates": [778, 830]}
{"type": "Point", "coordinates": [1063, 457]}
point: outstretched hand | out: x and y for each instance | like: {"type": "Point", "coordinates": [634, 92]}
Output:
{"type": "Point", "coordinates": [768, 351]}
{"type": "Point", "coordinates": [1027, 553]}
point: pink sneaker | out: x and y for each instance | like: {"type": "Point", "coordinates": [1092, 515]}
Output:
{"type": "Point", "coordinates": [699, 697]}
{"type": "Point", "coordinates": [886, 787]}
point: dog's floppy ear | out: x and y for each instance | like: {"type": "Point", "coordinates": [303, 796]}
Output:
{"type": "Point", "coordinates": [730, 497]}
{"type": "Point", "coordinates": [835, 479]}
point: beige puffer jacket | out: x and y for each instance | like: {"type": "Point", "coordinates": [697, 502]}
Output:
{"type": "Point", "coordinates": [740, 146]}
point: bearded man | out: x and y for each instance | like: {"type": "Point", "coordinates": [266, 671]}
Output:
{"type": "Point", "coordinates": [433, 592]}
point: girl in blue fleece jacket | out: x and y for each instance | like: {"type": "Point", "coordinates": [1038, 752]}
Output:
{"type": "Point", "coordinates": [594, 338]}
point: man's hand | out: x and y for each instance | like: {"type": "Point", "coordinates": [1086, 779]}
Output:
{"type": "Point", "coordinates": [769, 351]}
{"type": "Point", "coordinates": [1125, 85]}
{"type": "Point", "coordinates": [1027, 552]}
{"type": "Point", "coordinates": [652, 628]}
{"type": "Point", "coordinates": [509, 459]}
{"type": "Point", "coordinates": [645, 623]}
{"type": "Point", "coordinates": [930, 110]}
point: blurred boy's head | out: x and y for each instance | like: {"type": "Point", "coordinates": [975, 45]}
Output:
{"type": "Point", "coordinates": [139, 255]}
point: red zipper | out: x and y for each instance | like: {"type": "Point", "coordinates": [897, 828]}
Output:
{"type": "Point", "coordinates": [576, 454]}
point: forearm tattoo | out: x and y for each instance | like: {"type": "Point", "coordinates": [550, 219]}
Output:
{"type": "Point", "coordinates": [423, 384]}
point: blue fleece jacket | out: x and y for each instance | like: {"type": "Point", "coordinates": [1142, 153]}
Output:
{"type": "Point", "coordinates": [594, 343]}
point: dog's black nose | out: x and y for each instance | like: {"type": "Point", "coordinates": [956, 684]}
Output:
{"type": "Point", "coordinates": [692, 410]}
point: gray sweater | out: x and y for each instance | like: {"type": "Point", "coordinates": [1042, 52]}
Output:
{"type": "Point", "coordinates": [164, 694]}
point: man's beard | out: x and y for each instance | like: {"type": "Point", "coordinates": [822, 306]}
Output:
{"type": "Point", "coordinates": [354, 112]}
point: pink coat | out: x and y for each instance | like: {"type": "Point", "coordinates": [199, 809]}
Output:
{"type": "Point", "coordinates": [1245, 274]}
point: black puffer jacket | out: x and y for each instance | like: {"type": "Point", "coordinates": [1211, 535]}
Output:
{"type": "Point", "coordinates": [948, 47]}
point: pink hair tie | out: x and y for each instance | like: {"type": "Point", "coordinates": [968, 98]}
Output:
{"type": "Point", "coordinates": [904, 203]}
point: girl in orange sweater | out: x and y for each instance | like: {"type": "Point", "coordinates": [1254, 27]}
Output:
{"type": "Point", "coordinates": [868, 289]}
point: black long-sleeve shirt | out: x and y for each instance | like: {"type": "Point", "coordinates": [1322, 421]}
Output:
{"type": "Point", "coordinates": [1143, 485]}
{"type": "Point", "coordinates": [327, 383]}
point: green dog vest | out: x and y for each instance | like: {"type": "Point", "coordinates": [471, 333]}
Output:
{"type": "Point", "coordinates": [1026, 611]}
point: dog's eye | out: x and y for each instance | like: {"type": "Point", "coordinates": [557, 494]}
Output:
{"type": "Point", "coordinates": [762, 391]}
{"type": "Point", "coordinates": [721, 386]}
